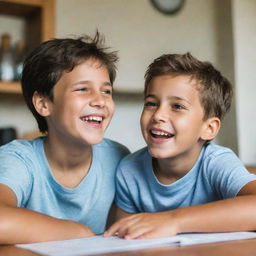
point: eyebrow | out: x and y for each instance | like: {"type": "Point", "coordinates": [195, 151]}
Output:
{"type": "Point", "coordinates": [149, 96]}
{"type": "Point", "coordinates": [170, 98]}
{"type": "Point", "coordinates": [88, 82]}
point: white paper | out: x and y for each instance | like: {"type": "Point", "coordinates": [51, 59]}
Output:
{"type": "Point", "coordinates": [98, 244]}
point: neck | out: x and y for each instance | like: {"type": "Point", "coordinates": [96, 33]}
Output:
{"type": "Point", "coordinates": [66, 155]}
{"type": "Point", "coordinates": [169, 170]}
{"type": "Point", "coordinates": [69, 163]}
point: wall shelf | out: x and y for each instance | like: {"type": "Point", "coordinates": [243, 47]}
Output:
{"type": "Point", "coordinates": [10, 87]}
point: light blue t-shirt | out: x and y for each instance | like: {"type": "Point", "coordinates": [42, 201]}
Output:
{"type": "Point", "coordinates": [25, 169]}
{"type": "Point", "coordinates": [217, 174]}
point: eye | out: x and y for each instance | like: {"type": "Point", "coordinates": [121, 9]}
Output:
{"type": "Point", "coordinates": [82, 89]}
{"type": "Point", "coordinates": [150, 104]}
{"type": "Point", "coordinates": [177, 106]}
{"type": "Point", "coordinates": [108, 91]}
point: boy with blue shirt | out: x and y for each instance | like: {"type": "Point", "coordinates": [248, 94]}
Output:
{"type": "Point", "coordinates": [181, 182]}
{"type": "Point", "coordinates": [61, 185]}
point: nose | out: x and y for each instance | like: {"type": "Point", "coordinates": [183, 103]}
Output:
{"type": "Point", "coordinates": [97, 100]}
{"type": "Point", "coordinates": [160, 115]}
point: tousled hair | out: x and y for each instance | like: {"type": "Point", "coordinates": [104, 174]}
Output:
{"type": "Point", "coordinates": [45, 65]}
{"type": "Point", "coordinates": [215, 91]}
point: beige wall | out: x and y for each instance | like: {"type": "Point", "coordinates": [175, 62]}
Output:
{"type": "Point", "coordinates": [244, 27]}
{"type": "Point", "coordinates": [140, 33]}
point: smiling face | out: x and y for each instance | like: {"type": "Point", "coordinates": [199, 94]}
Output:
{"type": "Point", "coordinates": [82, 105]}
{"type": "Point", "coordinates": [172, 119]}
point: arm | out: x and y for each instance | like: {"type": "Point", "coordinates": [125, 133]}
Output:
{"type": "Point", "coordinates": [18, 225]}
{"type": "Point", "coordinates": [236, 214]}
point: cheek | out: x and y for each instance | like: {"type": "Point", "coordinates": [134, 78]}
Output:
{"type": "Point", "coordinates": [189, 126]}
{"type": "Point", "coordinates": [143, 126]}
{"type": "Point", "coordinates": [144, 120]}
{"type": "Point", "coordinates": [111, 107]}
{"type": "Point", "coordinates": [70, 103]}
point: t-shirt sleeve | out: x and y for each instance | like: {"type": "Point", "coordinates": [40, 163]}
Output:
{"type": "Point", "coordinates": [123, 197]}
{"type": "Point", "coordinates": [14, 174]}
{"type": "Point", "coordinates": [227, 175]}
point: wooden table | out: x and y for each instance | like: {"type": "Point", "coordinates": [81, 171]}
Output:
{"type": "Point", "coordinates": [235, 248]}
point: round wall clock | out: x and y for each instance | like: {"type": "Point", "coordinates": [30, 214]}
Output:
{"type": "Point", "coordinates": [168, 7]}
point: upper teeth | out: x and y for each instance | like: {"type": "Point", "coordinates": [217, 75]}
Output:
{"type": "Point", "coordinates": [92, 118]}
{"type": "Point", "coordinates": [160, 133]}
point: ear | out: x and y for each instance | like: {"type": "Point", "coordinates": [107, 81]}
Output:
{"type": "Point", "coordinates": [211, 128]}
{"type": "Point", "coordinates": [41, 104]}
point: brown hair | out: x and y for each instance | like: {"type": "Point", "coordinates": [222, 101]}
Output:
{"type": "Point", "coordinates": [214, 89]}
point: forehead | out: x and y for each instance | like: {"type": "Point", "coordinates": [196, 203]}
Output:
{"type": "Point", "coordinates": [92, 62]}
{"type": "Point", "coordinates": [85, 67]}
{"type": "Point", "coordinates": [89, 71]}
{"type": "Point", "coordinates": [170, 83]}
{"type": "Point", "coordinates": [169, 87]}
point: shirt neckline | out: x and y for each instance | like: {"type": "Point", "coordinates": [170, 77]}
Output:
{"type": "Point", "coordinates": [47, 170]}
{"type": "Point", "coordinates": [187, 178]}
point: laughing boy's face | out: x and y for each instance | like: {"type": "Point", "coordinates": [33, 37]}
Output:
{"type": "Point", "coordinates": [172, 118]}
{"type": "Point", "coordinates": [82, 105]}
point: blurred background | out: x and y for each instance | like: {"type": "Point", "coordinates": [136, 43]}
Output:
{"type": "Point", "coordinates": [220, 31]}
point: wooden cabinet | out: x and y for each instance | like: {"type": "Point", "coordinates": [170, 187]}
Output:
{"type": "Point", "coordinates": [39, 17]}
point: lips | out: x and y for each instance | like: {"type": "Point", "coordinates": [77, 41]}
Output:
{"type": "Point", "coordinates": [160, 134]}
{"type": "Point", "coordinates": [93, 119]}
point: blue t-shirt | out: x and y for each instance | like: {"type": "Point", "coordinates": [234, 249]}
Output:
{"type": "Point", "coordinates": [25, 169]}
{"type": "Point", "coordinates": [217, 174]}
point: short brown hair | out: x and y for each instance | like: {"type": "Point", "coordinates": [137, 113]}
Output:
{"type": "Point", "coordinates": [215, 90]}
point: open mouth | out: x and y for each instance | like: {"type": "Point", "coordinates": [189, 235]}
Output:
{"type": "Point", "coordinates": [92, 119]}
{"type": "Point", "coordinates": [160, 134]}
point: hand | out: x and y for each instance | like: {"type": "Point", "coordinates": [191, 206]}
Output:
{"type": "Point", "coordinates": [144, 226]}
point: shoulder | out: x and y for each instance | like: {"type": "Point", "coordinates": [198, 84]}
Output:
{"type": "Point", "coordinates": [113, 146]}
{"type": "Point", "coordinates": [111, 150]}
{"type": "Point", "coordinates": [134, 168]}
{"type": "Point", "coordinates": [137, 156]}
{"type": "Point", "coordinates": [22, 156]}
{"type": "Point", "coordinates": [135, 162]}
{"type": "Point", "coordinates": [217, 160]}
{"type": "Point", "coordinates": [20, 165]}
{"type": "Point", "coordinates": [213, 152]}
{"type": "Point", "coordinates": [21, 148]}
{"type": "Point", "coordinates": [224, 171]}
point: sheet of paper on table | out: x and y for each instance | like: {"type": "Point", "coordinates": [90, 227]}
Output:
{"type": "Point", "coordinates": [99, 244]}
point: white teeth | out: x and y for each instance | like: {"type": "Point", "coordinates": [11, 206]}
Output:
{"type": "Point", "coordinates": [92, 118]}
{"type": "Point", "coordinates": [160, 133]}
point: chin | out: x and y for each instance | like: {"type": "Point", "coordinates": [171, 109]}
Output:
{"type": "Point", "coordinates": [95, 141]}
{"type": "Point", "coordinates": [157, 153]}
{"type": "Point", "coordinates": [92, 140]}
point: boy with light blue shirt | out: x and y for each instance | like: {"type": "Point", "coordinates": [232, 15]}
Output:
{"type": "Point", "coordinates": [61, 185]}
{"type": "Point", "coordinates": [181, 182]}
